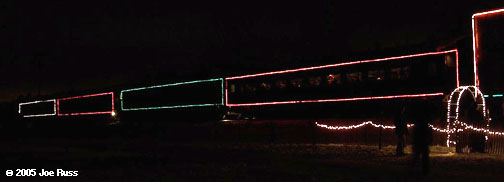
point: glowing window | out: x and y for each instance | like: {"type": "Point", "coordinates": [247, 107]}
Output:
{"type": "Point", "coordinates": [395, 73]}
{"type": "Point", "coordinates": [233, 88]}
{"type": "Point", "coordinates": [376, 75]}
{"type": "Point", "coordinates": [296, 83]}
{"type": "Point", "coordinates": [315, 81]}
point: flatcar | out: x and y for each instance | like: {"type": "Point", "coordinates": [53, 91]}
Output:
{"type": "Point", "coordinates": [173, 102]}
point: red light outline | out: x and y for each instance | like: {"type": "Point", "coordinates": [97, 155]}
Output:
{"type": "Point", "coordinates": [85, 113]}
{"type": "Point", "coordinates": [475, 40]}
{"type": "Point", "coordinates": [338, 100]}
{"type": "Point", "coordinates": [342, 64]}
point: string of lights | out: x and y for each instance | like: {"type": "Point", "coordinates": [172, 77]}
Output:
{"type": "Point", "coordinates": [476, 41]}
{"type": "Point", "coordinates": [453, 126]}
{"type": "Point", "coordinates": [339, 100]}
{"type": "Point", "coordinates": [467, 126]}
{"type": "Point", "coordinates": [36, 102]}
{"type": "Point", "coordinates": [453, 51]}
{"type": "Point", "coordinates": [357, 126]}
{"type": "Point", "coordinates": [111, 112]}
{"type": "Point", "coordinates": [409, 126]}
{"type": "Point", "coordinates": [494, 95]}
{"type": "Point", "coordinates": [121, 96]}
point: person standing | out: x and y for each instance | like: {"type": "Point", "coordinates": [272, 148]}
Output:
{"type": "Point", "coordinates": [422, 113]}
{"type": "Point", "coordinates": [475, 117]}
{"type": "Point", "coordinates": [401, 130]}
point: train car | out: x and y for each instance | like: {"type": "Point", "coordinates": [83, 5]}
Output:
{"type": "Point", "coordinates": [175, 102]}
{"type": "Point", "coordinates": [37, 108]}
{"type": "Point", "coordinates": [488, 55]}
{"type": "Point", "coordinates": [365, 88]}
{"type": "Point", "coordinates": [89, 109]}
{"type": "Point", "coordinates": [93, 104]}
{"type": "Point", "coordinates": [36, 112]}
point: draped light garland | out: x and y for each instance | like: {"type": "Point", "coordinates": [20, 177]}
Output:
{"type": "Point", "coordinates": [451, 127]}
{"type": "Point", "coordinates": [466, 126]}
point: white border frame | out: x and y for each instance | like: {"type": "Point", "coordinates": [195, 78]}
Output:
{"type": "Point", "coordinates": [35, 102]}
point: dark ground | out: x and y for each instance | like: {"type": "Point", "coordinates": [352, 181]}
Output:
{"type": "Point", "coordinates": [160, 158]}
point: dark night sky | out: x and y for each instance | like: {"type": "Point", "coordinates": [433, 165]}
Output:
{"type": "Point", "coordinates": [84, 46]}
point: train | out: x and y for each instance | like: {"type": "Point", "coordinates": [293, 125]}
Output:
{"type": "Point", "coordinates": [313, 92]}
{"type": "Point", "coordinates": [365, 88]}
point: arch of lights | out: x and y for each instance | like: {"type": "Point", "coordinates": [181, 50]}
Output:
{"type": "Point", "coordinates": [455, 126]}
{"type": "Point", "coordinates": [478, 97]}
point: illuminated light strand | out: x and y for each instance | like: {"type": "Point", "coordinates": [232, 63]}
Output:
{"type": "Point", "coordinates": [475, 59]}
{"type": "Point", "coordinates": [176, 106]}
{"type": "Point", "coordinates": [466, 126]}
{"type": "Point", "coordinates": [329, 66]}
{"type": "Point", "coordinates": [35, 102]}
{"type": "Point", "coordinates": [338, 100]}
{"type": "Point", "coordinates": [457, 65]}
{"type": "Point", "coordinates": [461, 93]}
{"type": "Point", "coordinates": [477, 94]}
{"type": "Point", "coordinates": [88, 113]}
{"type": "Point", "coordinates": [448, 115]}
{"type": "Point", "coordinates": [439, 129]}
{"type": "Point", "coordinates": [356, 126]}
{"type": "Point", "coordinates": [343, 64]}
{"type": "Point", "coordinates": [489, 12]}
{"type": "Point", "coordinates": [367, 123]}
{"type": "Point", "coordinates": [169, 107]}
{"type": "Point", "coordinates": [456, 122]}
{"type": "Point", "coordinates": [408, 125]}
{"type": "Point", "coordinates": [172, 84]}
{"type": "Point", "coordinates": [475, 39]}
{"type": "Point", "coordinates": [111, 112]}
{"type": "Point", "coordinates": [226, 94]}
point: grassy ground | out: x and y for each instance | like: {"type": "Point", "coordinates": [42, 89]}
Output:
{"type": "Point", "coordinates": [149, 160]}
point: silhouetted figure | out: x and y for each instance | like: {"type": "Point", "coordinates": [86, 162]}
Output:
{"type": "Point", "coordinates": [476, 139]}
{"type": "Point", "coordinates": [422, 113]}
{"type": "Point", "coordinates": [401, 130]}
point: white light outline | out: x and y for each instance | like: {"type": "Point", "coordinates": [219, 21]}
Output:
{"type": "Point", "coordinates": [458, 123]}
{"type": "Point", "coordinates": [35, 102]}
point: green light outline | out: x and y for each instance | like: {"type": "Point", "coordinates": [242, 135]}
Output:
{"type": "Point", "coordinates": [176, 106]}
{"type": "Point", "coordinates": [497, 95]}
{"type": "Point", "coordinates": [485, 96]}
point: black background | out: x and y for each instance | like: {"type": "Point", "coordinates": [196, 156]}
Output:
{"type": "Point", "coordinates": [64, 47]}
